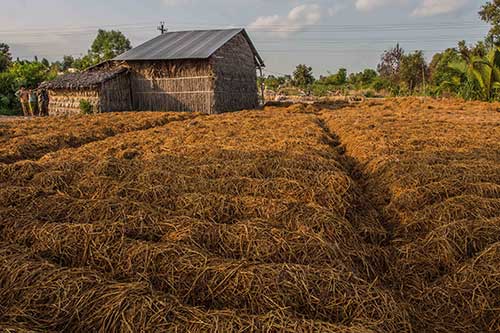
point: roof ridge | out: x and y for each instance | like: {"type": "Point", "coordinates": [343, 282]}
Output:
{"type": "Point", "coordinates": [185, 44]}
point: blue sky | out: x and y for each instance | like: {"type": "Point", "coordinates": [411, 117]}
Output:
{"type": "Point", "coordinates": [325, 34]}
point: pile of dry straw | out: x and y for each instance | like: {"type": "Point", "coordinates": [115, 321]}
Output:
{"type": "Point", "coordinates": [255, 221]}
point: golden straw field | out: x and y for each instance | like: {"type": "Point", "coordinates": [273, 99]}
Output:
{"type": "Point", "coordinates": [378, 217]}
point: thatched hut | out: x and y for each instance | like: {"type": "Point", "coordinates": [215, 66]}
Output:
{"type": "Point", "coordinates": [209, 71]}
{"type": "Point", "coordinates": [106, 90]}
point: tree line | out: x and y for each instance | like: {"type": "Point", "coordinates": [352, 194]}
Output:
{"type": "Point", "coordinates": [467, 71]}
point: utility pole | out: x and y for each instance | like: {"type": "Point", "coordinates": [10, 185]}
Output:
{"type": "Point", "coordinates": [423, 80]}
{"type": "Point", "coordinates": [162, 28]}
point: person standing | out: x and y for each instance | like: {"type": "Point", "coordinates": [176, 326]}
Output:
{"type": "Point", "coordinates": [23, 95]}
{"type": "Point", "coordinates": [43, 98]}
{"type": "Point", "coordinates": [33, 100]}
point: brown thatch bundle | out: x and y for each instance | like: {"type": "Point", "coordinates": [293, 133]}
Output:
{"type": "Point", "coordinates": [81, 80]}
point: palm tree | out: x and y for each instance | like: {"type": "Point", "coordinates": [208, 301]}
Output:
{"type": "Point", "coordinates": [481, 74]}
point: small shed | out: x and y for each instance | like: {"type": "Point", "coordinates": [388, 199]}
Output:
{"type": "Point", "coordinates": [208, 71]}
{"type": "Point", "coordinates": [107, 90]}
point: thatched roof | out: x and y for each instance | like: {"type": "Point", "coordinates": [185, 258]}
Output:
{"type": "Point", "coordinates": [88, 79]}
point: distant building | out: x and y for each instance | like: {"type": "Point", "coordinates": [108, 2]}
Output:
{"type": "Point", "coordinates": [209, 71]}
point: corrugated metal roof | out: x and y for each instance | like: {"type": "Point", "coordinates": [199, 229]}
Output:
{"type": "Point", "coordinates": [196, 44]}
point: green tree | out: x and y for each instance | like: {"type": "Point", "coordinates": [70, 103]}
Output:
{"type": "Point", "coordinates": [381, 84]}
{"type": "Point", "coordinates": [363, 79]}
{"type": "Point", "coordinates": [20, 73]}
{"type": "Point", "coordinates": [84, 62]}
{"type": "Point", "coordinates": [368, 76]}
{"type": "Point", "coordinates": [109, 44]}
{"type": "Point", "coordinates": [482, 75]}
{"type": "Point", "coordinates": [480, 49]}
{"type": "Point", "coordinates": [45, 62]}
{"type": "Point", "coordinates": [341, 76]}
{"type": "Point", "coordinates": [413, 70]}
{"type": "Point", "coordinates": [490, 13]}
{"type": "Point", "coordinates": [67, 62]}
{"type": "Point", "coordinates": [303, 77]}
{"type": "Point", "coordinates": [5, 57]}
{"type": "Point", "coordinates": [390, 62]}
{"type": "Point", "coordinates": [272, 82]}
{"type": "Point", "coordinates": [337, 79]}
{"type": "Point", "coordinates": [8, 101]}
{"type": "Point", "coordinates": [29, 74]}
{"type": "Point", "coordinates": [440, 71]}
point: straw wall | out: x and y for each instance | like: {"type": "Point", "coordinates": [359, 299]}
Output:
{"type": "Point", "coordinates": [67, 102]}
{"type": "Point", "coordinates": [236, 78]}
{"type": "Point", "coordinates": [116, 94]}
{"type": "Point", "coordinates": [179, 85]}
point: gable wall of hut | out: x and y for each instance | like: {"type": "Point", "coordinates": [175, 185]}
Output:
{"type": "Point", "coordinates": [116, 94]}
{"type": "Point", "coordinates": [235, 76]}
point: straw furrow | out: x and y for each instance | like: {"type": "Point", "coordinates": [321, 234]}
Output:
{"type": "Point", "coordinates": [254, 241]}
{"type": "Point", "coordinates": [377, 218]}
{"type": "Point", "coordinates": [215, 208]}
{"type": "Point", "coordinates": [432, 193]}
{"type": "Point", "coordinates": [472, 290]}
{"type": "Point", "coordinates": [51, 298]}
{"type": "Point", "coordinates": [436, 181]}
{"type": "Point", "coordinates": [454, 209]}
{"type": "Point", "coordinates": [195, 276]}
{"type": "Point", "coordinates": [79, 300]}
{"type": "Point", "coordinates": [443, 250]}
{"type": "Point", "coordinates": [37, 145]}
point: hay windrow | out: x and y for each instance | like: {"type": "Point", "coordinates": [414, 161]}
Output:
{"type": "Point", "coordinates": [377, 218]}
{"type": "Point", "coordinates": [434, 176]}
{"type": "Point", "coordinates": [33, 144]}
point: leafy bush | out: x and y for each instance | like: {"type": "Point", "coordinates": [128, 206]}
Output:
{"type": "Point", "coordinates": [370, 93]}
{"type": "Point", "coordinates": [86, 107]}
{"type": "Point", "coordinates": [8, 112]}
{"type": "Point", "coordinates": [9, 105]}
{"type": "Point", "coordinates": [321, 90]}
{"type": "Point", "coordinates": [20, 73]}
{"type": "Point", "coordinates": [29, 74]}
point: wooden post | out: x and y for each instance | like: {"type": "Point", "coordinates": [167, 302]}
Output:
{"type": "Point", "coordinates": [262, 86]}
{"type": "Point", "coordinates": [423, 80]}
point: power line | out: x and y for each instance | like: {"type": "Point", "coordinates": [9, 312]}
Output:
{"type": "Point", "coordinates": [372, 40]}
{"type": "Point", "coordinates": [276, 73]}
{"type": "Point", "coordinates": [307, 44]}
{"type": "Point", "coordinates": [271, 27]}
{"type": "Point", "coordinates": [277, 52]}
{"type": "Point", "coordinates": [344, 51]}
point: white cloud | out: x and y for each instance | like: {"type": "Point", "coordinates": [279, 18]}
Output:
{"type": "Point", "coordinates": [436, 7]}
{"type": "Point", "coordinates": [177, 2]}
{"type": "Point", "coordinates": [298, 18]}
{"type": "Point", "coordinates": [337, 7]}
{"type": "Point", "coordinates": [366, 5]}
